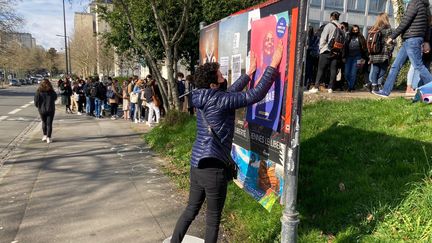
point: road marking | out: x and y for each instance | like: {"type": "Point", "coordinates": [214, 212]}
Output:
{"type": "Point", "coordinates": [14, 111]}
{"type": "Point", "coordinates": [19, 119]}
{"type": "Point", "coordinates": [25, 106]}
{"type": "Point", "coordinates": [3, 118]}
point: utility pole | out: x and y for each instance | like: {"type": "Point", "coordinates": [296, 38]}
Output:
{"type": "Point", "coordinates": [65, 38]}
{"type": "Point", "coordinates": [290, 214]}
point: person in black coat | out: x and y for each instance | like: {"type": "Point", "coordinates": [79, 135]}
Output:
{"type": "Point", "coordinates": [209, 174]}
{"type": "Point", "coordinates": [66, 92]}
{"type": "Point", "coordinates": [44, 100]}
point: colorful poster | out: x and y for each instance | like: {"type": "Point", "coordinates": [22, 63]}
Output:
{"type": "Point", "coordinates": [209, 38]}
{"type": "Point", "coordinates": [266, 33]}
{"type": "Point", "coordinates": [258, 176]}
{"type": "Point", "coordinates": [261, 131]}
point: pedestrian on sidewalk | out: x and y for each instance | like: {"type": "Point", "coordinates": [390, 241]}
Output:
{"type": "Point", "coordinates": [126, 103]}
{"type": "Point", "coordinates": [44, 100]}
{"type": "Point", "coordinates": [99, 97]}
{"type": "Point", "coordinates": [113, 95]}
{"type": "Point", "coordinates": [355, 54]}
{"type": "Point", "coordinates": [152, 101]}
{"type": "Point", "coordinates": [66, 92]}
{"type": "Point", "coordinates": [330, 51]}
{"type": "Point", "coordinates": [379, 59]}
{"type": "Point", "coordinates": [210, 173]}
{"type": "Point", "coordinates": [414, 29]}
{"type": "Point", "coordinates": [81, 97]}
{"type": "Point", "coordinates": [74, 97]}
{"type": "Point", "coordinates": [137, 92]}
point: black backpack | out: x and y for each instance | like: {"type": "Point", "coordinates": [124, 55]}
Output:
{"type": "Point", "coordinates": [375, 42]}
{"type": "Point", "coordinates": [93, 91]}
{"type": "Point", "coordinates": [337, 42]}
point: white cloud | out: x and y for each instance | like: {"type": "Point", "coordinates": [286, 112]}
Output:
{"type": "Point", "coordinates": [44, 19]}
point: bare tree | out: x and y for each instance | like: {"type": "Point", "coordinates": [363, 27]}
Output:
{"type": "Point", "coordinates": [169, 41]}
{"type": "Point", "coordinates": [9, 19]}
{"type": "Point", "coordinates": [83, 53]}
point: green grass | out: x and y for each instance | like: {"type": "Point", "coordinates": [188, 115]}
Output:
{"type": "Point", "coordinates": [380, 152]}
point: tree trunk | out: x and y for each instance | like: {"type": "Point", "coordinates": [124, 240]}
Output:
{"type": "Point", "coordinates": [172, 84]}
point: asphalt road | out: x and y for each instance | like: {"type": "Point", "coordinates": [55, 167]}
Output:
{"type": "Point", "coordinates": [17, 112]}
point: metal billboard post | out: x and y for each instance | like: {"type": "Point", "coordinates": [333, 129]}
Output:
{"type": "Point", "coordinates": [290, 214]}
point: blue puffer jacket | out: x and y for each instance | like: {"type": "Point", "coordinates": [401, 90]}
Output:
{"type": "Point", "coordinates": [219, 108]}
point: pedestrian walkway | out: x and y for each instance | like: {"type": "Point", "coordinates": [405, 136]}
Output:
{"type": "Point", "coordinates": [97, 182]}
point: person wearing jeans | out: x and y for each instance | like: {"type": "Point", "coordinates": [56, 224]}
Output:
{"type": "Point", "coordinates": [380, 60]}
{"type": "Point", "coordinates": [414, 29]}
{"type": "Point", "coordinates": [411, 49]}
{"type": "Point", "coordinates": [355, 50]}
{"type": "Point", "coordinates": [98, 107]}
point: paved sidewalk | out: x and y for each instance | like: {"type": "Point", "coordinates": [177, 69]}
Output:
{"type": "Point", "coordinates": [97, 182]}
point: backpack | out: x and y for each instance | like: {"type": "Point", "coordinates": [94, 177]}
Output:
{"type": "Point", "coordinates": [337, 42]}
{"type": "Point", "coordinates": [375, 43]}
{"type": "Point", "coordinates": [110, 93]}
{"type": "Point", "coordinates": [93, 91]}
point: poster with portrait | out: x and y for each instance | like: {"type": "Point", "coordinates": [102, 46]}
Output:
{"type": "Point", "coordinates": [266, 33]}
{"type": "Point", "coordinates": [262, 131]}
{"type": "Point", "coordinates": [209, 42]}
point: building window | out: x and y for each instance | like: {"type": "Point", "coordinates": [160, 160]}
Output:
{"type": "Point", "coordinates": [377, 6]}
{"type": "Point", "coordinates": [357, 5]}
{"type": "Point", "coordinates": [316, 3]}
{"type": "Point", "coordinates": [336, 4]}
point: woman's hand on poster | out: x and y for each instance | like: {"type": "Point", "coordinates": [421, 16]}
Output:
{"type": "Point", "coordinates": [277, 56]}
{"type": "Point", "coordinates": [252, 66]}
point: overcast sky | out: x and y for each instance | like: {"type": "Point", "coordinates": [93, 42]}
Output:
{"type": "Point", "coordinates": [44, 19]}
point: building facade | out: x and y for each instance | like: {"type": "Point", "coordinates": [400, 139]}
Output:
{"type": "Point", "coordinates": [360, 12]}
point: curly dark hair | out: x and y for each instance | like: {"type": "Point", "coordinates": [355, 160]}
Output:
{"type": "Point", "coordinates": [206, 74]}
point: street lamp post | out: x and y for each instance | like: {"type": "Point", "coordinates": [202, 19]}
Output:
{"type": "Point", "coordinates": [65, 38]}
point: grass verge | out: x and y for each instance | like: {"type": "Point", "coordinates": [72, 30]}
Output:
{"type": "Point", "coordinates": [364, 174]}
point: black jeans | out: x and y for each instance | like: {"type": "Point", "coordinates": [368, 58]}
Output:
{"type": "Point", "coordinates": [326, 60]}
{"type": "Point", "coordinates": [114, 109]}
{"type": "Point", "coordinates": [211, 183]}
{"type": "Point", "coordinates": [81, 104]}
{"type": "Point", "coordinates": [47, 121]}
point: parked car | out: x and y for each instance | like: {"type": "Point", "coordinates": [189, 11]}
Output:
{"type": "Point", "coordinates": [14, 82]}
{"type": "Point", "coordinates": [39, 80]}
{"type": "Point", "coordinates": [29, 82]}
{"type": "Point", "coordinates": [22, 81]}
{"type": "Point", "coordinates": [34, 80]}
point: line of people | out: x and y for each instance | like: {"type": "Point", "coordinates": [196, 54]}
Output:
{"type": "Point", "coordinates": [336, 56]}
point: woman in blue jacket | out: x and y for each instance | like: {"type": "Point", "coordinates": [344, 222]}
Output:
{"type": "Point", "coordinates": [209, 175]}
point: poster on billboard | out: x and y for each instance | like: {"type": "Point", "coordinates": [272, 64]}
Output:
{"type": "Point", "coordinates": [233, 42]}
{"type": "Point", "coordinates": [266, 33]}
{"type": "Point", "coordinates": [261, 131]}
{"type": "Point", "coordinates": [209, 38]}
